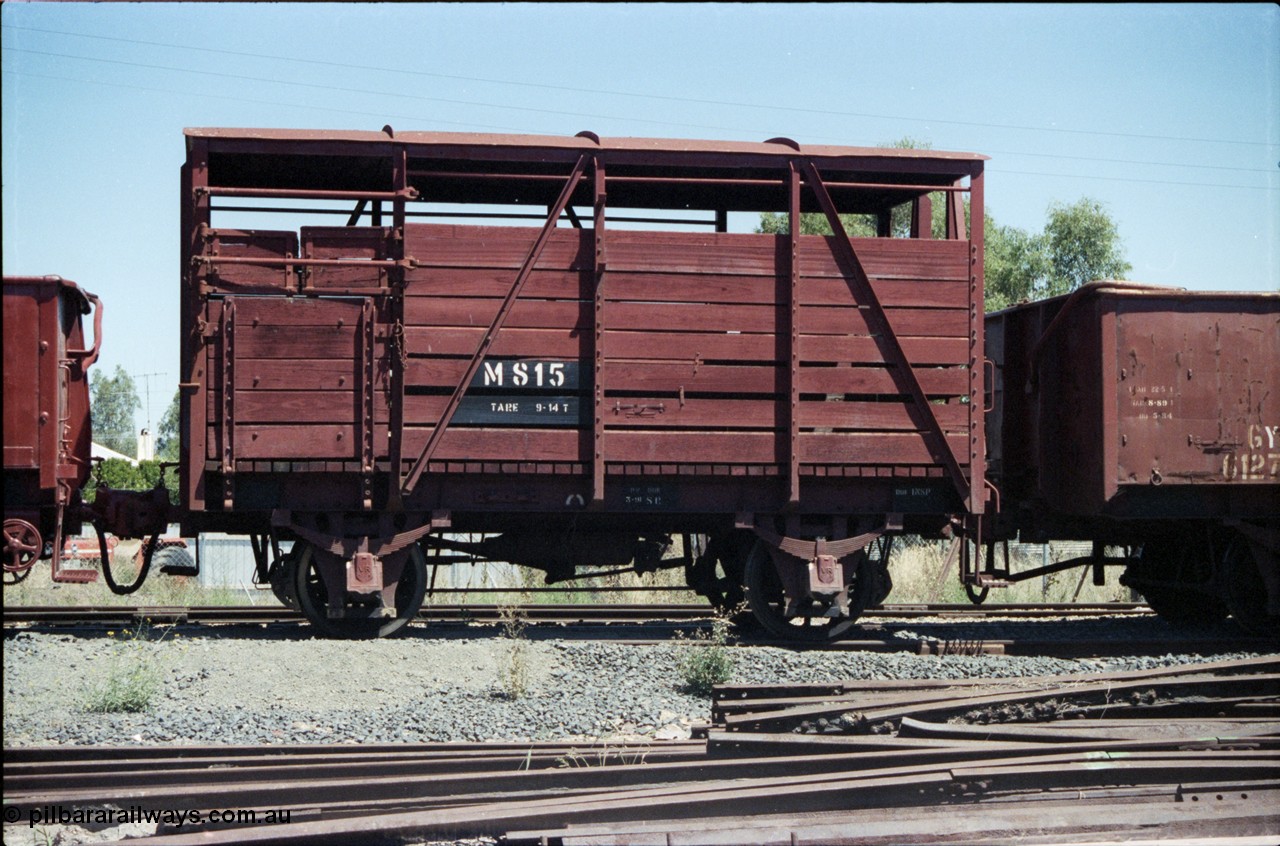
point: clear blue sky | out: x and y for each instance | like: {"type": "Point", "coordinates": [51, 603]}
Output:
{"type": "Point", "coordinates": [1167, 114]}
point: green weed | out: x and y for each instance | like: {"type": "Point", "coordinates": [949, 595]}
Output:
{"type": "Point", "coordinates": [513, 676]}
{"type": "Point", "coordinates": [135, 673]}
{"type": "Point", "coordinates": [706, 662]}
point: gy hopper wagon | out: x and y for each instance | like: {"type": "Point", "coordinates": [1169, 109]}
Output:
{"type": "Point", "coordinates": [1144, 419]}
{"type": "Point", "coordinates": [557, 343]}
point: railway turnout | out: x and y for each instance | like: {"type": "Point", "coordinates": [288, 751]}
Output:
{"type": "Point", "coordinates": [1188, 752]}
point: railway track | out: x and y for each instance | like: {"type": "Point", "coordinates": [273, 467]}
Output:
{"type": "Point", "coordinates": [946, 629]}
{"type": "Point", "coordinates": [479, 613]}
{"type": "Point", "coordinates": [608, 613]}
{"type": "Point", "coordinates": [1189, 752]}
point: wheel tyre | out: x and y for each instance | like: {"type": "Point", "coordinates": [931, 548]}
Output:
{"type": "Point", "coordinates": [173, 556]}
{"type": "Point", "coordinates": [313, 599]}
{"type": "Point", "coordinates": [1161, 560]}
{"type": "Point", "coordinates": [1246, 592]}
{"type": "Point", "coordinates": [767, 602]}
{"type": "Point", "coordinates": [717, 572]}
{"type": "Point", "coordinates": [283, 577]}
{"type": "Point", "coordinates": [1184, 607]}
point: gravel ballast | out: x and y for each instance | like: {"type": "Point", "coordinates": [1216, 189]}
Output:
{"type": "Point", "coordinates": [252, 685]}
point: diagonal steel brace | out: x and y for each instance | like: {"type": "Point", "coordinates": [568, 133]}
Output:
{"type": "Point", "coordinates": [553, 215]}
{"type": "Point", "coordinates": [882, 329]}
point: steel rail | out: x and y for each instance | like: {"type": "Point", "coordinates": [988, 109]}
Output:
{"type": "Point", "coordinates": [1214, 777]}
{"type": "Point", "coordinates": [608, 612]}
{"type": "Point", "coordinates": [651, 625]}
{"type": "Point", "coordinates": [598, 613]}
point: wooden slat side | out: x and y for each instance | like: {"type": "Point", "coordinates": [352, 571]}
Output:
{"type": "Point", "coordinates": [336, 442]}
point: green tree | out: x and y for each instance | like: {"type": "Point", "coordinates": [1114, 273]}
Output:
{"type": "Point", "coordinates": [1015, 262]}
{"type": "Point", "coordinates": [167, 436]}
{"type": "Point", "coordinates": [862, 225]}
{"type": "Point", "coordinates": [114, 400]}
{"type": "Point", "coordinates": [1082, 243]}
{"type": "Point", "coordinates": [815, 223]}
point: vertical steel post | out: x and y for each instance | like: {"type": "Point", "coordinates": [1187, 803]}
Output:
{"type": "Point", "coordinates": [922, 217]}
{"type": "Point", "coordinates": [397, 354]}
{"type": "Point", "coordinates": [598, 237]}
{"type": "Point", "coordinates": [793, 334]}
{"type": "Point", "coordinates": [193, 407]}
{"type": "Point", "coordinates": [977, 323]}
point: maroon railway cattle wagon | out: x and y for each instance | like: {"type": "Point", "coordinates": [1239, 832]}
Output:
{"type": "Point", "coordinates": [389, 339]}
{"type": "Point", "coordinates": [47, 431]}
{"type": "Point", "coordinates": [1147, 419]}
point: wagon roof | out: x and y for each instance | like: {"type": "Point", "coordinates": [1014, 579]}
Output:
{"type": "Point", "coordinates": [455, 167]}
{"type": "Point", "coordinates": [73, 291]}
{"type": "Point", "coordinates": [583, 141]}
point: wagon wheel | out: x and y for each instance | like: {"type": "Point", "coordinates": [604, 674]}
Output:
{"type": "Point", "coordinates": [1246, 591]}
{"type": "Point", "coordinates": [22, 547]}
{"type": "Point", "coordinates": [1160, 569]}
{"type": "Point", "coordinates": [313, 598]}
{"type": "Point", "coordinates": [175, 561]}
{"type": "Point", "coordinates": [717, 571]}
{"type": "Point", "coordinates": [283, 578]}
{"type": "Point", "coordinates": [768, 602]}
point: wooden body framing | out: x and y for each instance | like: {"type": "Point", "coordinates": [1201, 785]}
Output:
{"type": "Point", "coordinates": [574, 360]}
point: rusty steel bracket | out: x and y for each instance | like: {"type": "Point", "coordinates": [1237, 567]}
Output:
{"type": "Point", "coordinates": [812, 550]}
{"type": "Point", "coordinates": [526, 269]}
{"type": "Point", "coordinates": [364, 573]}
{"type": "Point", "coordinates": [58, 573]}
{"type": "Point", "coordinates": [882, 329]}
{"type": "Point", "coordinates": [226, 452]}
{"type": "Point", "coordinates": [367, 381]}
{"type": "Point", "coordinates": [826, 575]}
{"type": "Point", "coordinates": [347, 547]}
{"type": "Point", "coordinates": [639, 409]}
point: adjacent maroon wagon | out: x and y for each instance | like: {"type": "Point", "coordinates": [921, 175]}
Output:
{"type": "Point", "coordinates": [47, 430]}
{"type": "Point", "coordinates": [1147, 419]}
{"type": "Point", "coordinates": [557, 343]}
